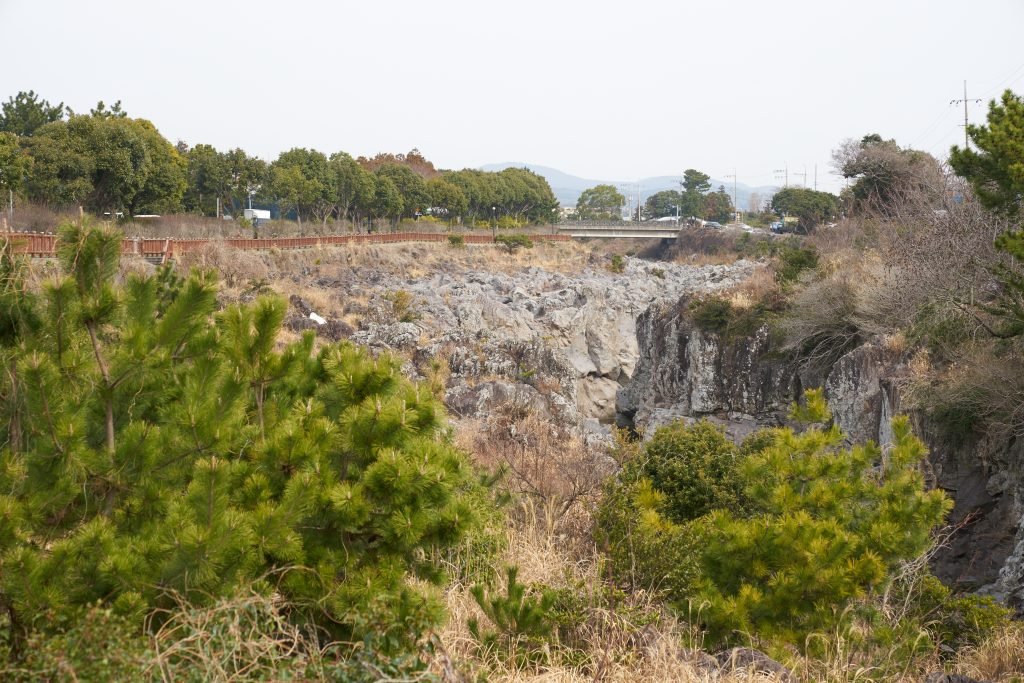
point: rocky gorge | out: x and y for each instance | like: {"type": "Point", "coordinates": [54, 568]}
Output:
{"type": "Point", "coordinates": [566, 343]}
{"type": "Point", "coordinates": [591, 348]}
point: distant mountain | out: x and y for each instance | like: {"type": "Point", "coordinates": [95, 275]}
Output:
{"type": "Point", "coordinates": [567, 188]}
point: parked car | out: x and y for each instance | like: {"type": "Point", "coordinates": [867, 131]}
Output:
{"type": "Point", "coordinates": [712, 224]}
{"type": "Point", "coordinates": [776, 226]}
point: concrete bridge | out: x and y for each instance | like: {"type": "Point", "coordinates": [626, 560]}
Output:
{"type": "Point", "coordinates": [620, 230]}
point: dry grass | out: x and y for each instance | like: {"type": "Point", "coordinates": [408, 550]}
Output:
{"type": "Point", "coordinates": [634, 639]}
{"type": "Point", "coordinates": [1000, 658]}
{"type": "Point", "coordinates": [39, 218]}
{"type": "Point", "coordinates": [622, 636]}
{"type": "Point", "coordinates": [760, 286]}
{"type": "Point", "coordinates": [630, 641]}
{"type": "Point", "coordinates": [417, 260]}
{"type": "Point", "coordinates": [248, 638]}
{"type": "Point", "coordinates": [406, 260]}
{"type": "Point", "coordinates": [554, 477]}
{"type": "Point", "coordinates": [235, 267]}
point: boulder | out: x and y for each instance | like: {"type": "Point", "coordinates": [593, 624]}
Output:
{"type": "Point", "coordinates": [752, 661]}
{"type": "Point", "coordinates": [595, 398]}
{"type": "Point", "coordinates": [942, 677]}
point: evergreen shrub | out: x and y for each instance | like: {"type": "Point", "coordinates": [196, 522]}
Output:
{"type": "Point", "coordinates": [793, 260]}
{"type": "Point", "coordinates": [403, 306]}
{"type": "Point", "coordinates": [774, 539]}
{"type": "Point", "coordinates": [513, 243]}
{"type": "Point", "coordinates": [154, 445]}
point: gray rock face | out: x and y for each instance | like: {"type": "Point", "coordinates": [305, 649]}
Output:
{"type": "Point", "coordinates": [686, 373]}
{"type": "Point", "coordinates": [683, 371]}
{"type": "Point", "coordinates": [595, 397]}
{"type": "Point", "coordinates": [574, 334]}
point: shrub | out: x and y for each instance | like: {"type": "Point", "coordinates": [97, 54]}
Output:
{"type": "Point", "coordinates": [90, 645]}
{"type": "Point", "coordinates": [956, 621]}
{"type": "Point", "coordinates": [244, 638]}
{"type": "Point", "coordinates": [508, 223]}
{"type": "Point", "coordinates": [618, 264]}
{"type": "Point", "coordinates": [645, 550]}
{"type": "Point", "coordinates": [821, 526]}
{"type": "Point", "coordinates": [794, 260]}
{"type": "Point", "coordinates": [824, 320]}
{"type": "Point", "coordinates": [943, 330]}
{"type": "Point", "coordinates": [153, 444]}
{"type": "Point", "coordinates": [716, 313]}
{"type": "Point", "coordinates": [456, 241]}
{"type": "Point", "coordinates": [513, 243]}
{"type": "Point", "coordinates": [695, 467]}
{"type": "Point", "coordinates": [642, 524]}
{"type": "Point", "coordinates": [403, 306]}
{"type": "Point", "coordinates": [711, 313]}
{"type": "Point", "coordinates": [658, 273]}
{"type": "Point", "coordinates": [521, 619]}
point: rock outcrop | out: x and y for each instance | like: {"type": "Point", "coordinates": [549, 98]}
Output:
{"type": "Point", "coordinates": [684, 372]}
{"type": "Point", "coordinates": [569, 339]}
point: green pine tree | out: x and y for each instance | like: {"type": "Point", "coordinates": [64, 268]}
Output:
{"type": "Point", "coordinates": [153, 444]}
{"type": "Point", "coordinates": [815, 526]}
{"type": "Point", "coordinates": [995, 169]}
{"type": "Point", "coordinates": [521, 618]}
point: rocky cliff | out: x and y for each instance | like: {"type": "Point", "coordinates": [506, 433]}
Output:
{"type": "Point", "coordinates": [684, 372]}
{"type": "Point", "coordinates": [591, 347]}
{"type": "Point", "coordinates": [565, 343]}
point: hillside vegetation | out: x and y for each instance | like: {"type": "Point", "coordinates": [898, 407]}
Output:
{"type": "Point", "coordinates": [191, 493]}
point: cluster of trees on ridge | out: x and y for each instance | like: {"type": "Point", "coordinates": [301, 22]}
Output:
{"type": "Point", "coordinates": [108, 162]}
{"type": "Point", "coordinates": [605, 202]}
{"type": "Point", "coordinates": [809, 208]}
{"type": "Point", "coordinates": [696, 200]}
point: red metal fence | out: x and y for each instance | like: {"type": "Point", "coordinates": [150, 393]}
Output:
{"type": "Point", "coordinates": [43, 245]}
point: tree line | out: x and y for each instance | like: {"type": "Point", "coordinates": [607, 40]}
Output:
{"type": "Point", "coordinates": [605, 202]}
{"type": "Point", "coordinates": [108, 162]}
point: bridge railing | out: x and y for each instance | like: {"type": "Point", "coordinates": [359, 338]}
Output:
{"type": "Point", "coordinates": [570, 226]}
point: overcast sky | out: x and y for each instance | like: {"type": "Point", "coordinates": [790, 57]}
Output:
{"type": "Point", "coordinates": [598, 89]}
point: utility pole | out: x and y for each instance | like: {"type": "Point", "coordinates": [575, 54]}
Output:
{"type": "Point", "coordinates": [785, 172]}
{"type": "Point", "coordinates": [735, 207]}
{"type": "Point", "coordinates": [682, 191]}
{"type": "Point", "coordinates": [967, 141]}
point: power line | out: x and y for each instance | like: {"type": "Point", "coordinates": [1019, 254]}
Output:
{"type": "Point", "coordinates": [803, 175]}
{"type": "Point", "coordinates": [782, 173]}
{"type": "Point", "coordinates": [931, 126]}
{"type": "Point", "coordinates": [1008, 79]}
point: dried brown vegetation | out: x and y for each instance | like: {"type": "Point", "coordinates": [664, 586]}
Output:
{"type": "Point", "coordinates": [606, 634]}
